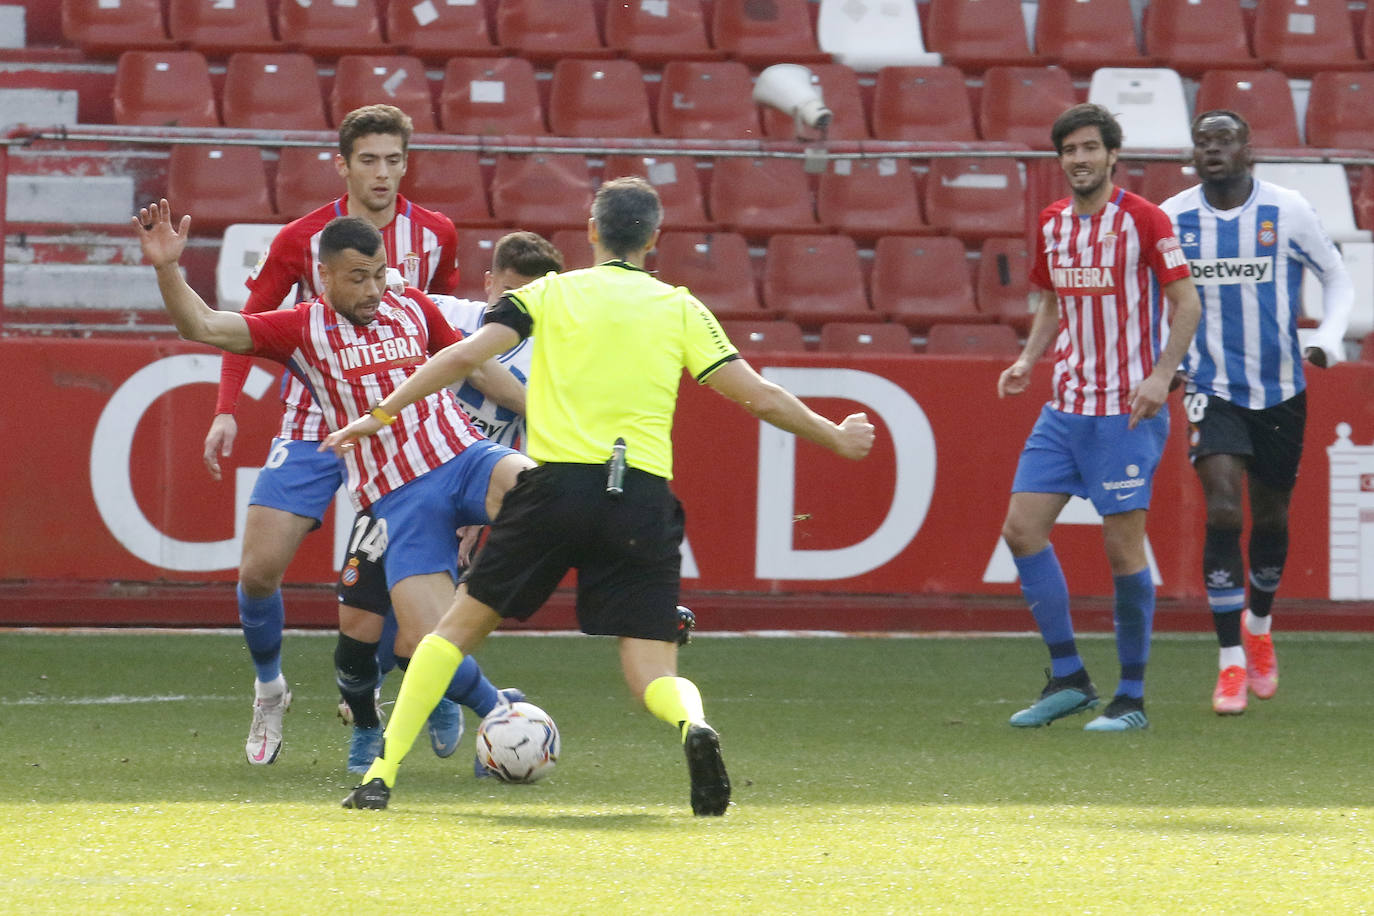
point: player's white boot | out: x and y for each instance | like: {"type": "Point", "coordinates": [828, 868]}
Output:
{"type": "Point", "coordinates": [264, 735]}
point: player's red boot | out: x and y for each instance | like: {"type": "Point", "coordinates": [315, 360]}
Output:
{"type": "Point", "coordinates": [1229, 697]}
{"type": "Point", "coordinates": [1262, 668]}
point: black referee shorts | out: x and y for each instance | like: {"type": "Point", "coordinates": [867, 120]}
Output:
{"type": "Point", "coordinates": [1269, 439]}
{"type": "Point", "coordinates": [625, 550]}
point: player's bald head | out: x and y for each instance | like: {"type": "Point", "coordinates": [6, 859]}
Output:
{"type": "Point", "coordinates": [1222, 119]}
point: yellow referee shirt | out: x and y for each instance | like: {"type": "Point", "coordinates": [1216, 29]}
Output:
{"type": "Point", "coordinates": [610, 344]}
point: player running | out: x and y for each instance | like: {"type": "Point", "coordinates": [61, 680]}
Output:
{"type": "Point", "coordinates": [1248, 243]}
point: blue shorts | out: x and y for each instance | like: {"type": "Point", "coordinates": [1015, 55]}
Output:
{"type": "Point", "coordinates": [1096, 458]}
{"type": "Point", "coordinates": [298, 478]}
{"type": "Point", "coordinates": [423, 516]}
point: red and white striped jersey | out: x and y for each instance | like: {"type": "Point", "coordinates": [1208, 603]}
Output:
{"type": "Point", "coordinates": [1108, 269]}
{"type": "Point", "coordinates": [420, 243]}
{"type": "Point", "coordinates": [349, 369]}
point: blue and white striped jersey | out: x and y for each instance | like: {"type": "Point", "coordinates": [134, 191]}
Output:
{"type": "Point", "coordinates": [1248, 266]}
{"type": "Point", "coordinates": [499, 424]}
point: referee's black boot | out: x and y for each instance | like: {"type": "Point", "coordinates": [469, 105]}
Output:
{"type": "Point", "coordinates": [372, 794]}
{"type": "Point", "coordinates": [710, 782]}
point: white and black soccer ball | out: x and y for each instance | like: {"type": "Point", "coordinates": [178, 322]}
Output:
{"type": "Point", "coordinates": [518, 743]}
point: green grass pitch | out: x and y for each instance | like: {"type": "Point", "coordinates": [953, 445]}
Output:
{"type": "Point", "coordinates": [871, 776]}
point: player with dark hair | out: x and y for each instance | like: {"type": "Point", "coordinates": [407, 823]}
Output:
{"type": "Point", "coordinates": [1248, 242]}
{"type": "Point", "coordinates": [364, 601]}
{"type": "Point", "coordinates": [610, 345]}
{"type": "Point", "coordinates": [431, 471]}
{"type": "Point", "coordinates": [1106, 260]}
{"type": "Point", "coordinates": [297, 484]}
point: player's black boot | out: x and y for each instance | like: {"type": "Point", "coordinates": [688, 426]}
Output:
{"type": "Point", "coordinates": [686, 623]}
{"type": "Point", "coordinates": [710, 782]}
{"type": "Point", "coordinates": [372, 794]}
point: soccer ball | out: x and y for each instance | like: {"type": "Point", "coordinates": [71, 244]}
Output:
{"type": "Point", "coordinates": [518, 743]}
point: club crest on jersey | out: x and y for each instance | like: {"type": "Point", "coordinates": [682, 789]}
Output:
{"type": "Point", "coordinates": [411, 266]}
{"type": "Point", "coordinates": [1108, 246]}
{"type": "Point", "coordinates": [1268, 237]}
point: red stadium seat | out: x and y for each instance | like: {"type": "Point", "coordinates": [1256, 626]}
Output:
{"type": "Point", "coordinates": [599, 98]}
{"type": "Point", "coordinates": [976, 198]}
{"type": "Point", "coordinates": [434, 32]}
{"type": "Point", "coordinates": [867, 198]}
{"type": "Point", "coordinates": [475, 248]}
{"type": "Point", "coordinates": [922, 104]}
{"type": "Point", "coordinates": [1161, 180]}
{"type": "Point", "coordinates": [1262, 97]}
{"type": "Point", "coordinates": [218, 29]}
{"type": "Point", "coordinates": [851, 337]}
{"type": "Point", "coordinates": [654, 32]}
{"type": "Point", "coordinates": [922, 281]}
{"type": "Point", "coordinates": [765, 336]}
{"type": "Point", "coordinates": [1083, 35]}
{"type": "Point", "coordinates": [1003, 282]}
{"type": "Point", "coordinates": [1019, 104]}
{"type": "Point", "coordinates": [758, 197]}
{"type": "Point", "coordinates": [328, 30]}
{"type": "Point", "coordinates": [542, 191]}
{"type": "Point", "coordinates": [675, 179]}
{"type": "Point", "coordinates": [1191, 36]}
{"type": "Point", "coordinates": [1364, 199]}
{"type": "Point", "coordinates": [219, 185]}
{"type": "Point", "coordinates": [543, 31]}
{"type": "Point", "coordinates": [273, 92]}
{"type": "Point", "coordinates": [1302, 37]}
{"type": "Point", "coordinates": [491, 97]}
{"type": "Point", "coordinates": [576, 248]}
{"type": "Point", "coordinates": [365, 79]}
{"type": "Point", "coordinates": [972, 340]}
{"type": "Point", "coordinates": [707, 100]}
{"type": "Point", "coordinates": [839, 86]}
{"type": "Point", "coordinates": [164, 89]}
{"type": "Point", "coordinates": [450, 182]}
{"type": "Point", "coordinates": [812, 279]}
{"type": "Point", "coordinates": [1339, 112]}
{"type": "Point", "coordinates": [762, 33]}
{"type": "Point", "coordinates": [716, 267]}
{"type": "Point", "coordinates": [306, 178]}
{"type": "Point", "coordinates": [104, 30]}
{"type": "Point", "coordinates": [976, 34]}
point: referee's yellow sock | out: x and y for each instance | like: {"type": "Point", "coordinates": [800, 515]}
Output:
{"type": "Point", "coordinates": [427, 677]}
{"type": "Point", "coordinates": [675, 700]}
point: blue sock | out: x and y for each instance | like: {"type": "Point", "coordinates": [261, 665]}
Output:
{"type": "Point", "coordinates": [386, 648]}
{"type": "Point", "coordinates": [1043, 585]}
{"type": "Point", "coordinates": [471, 688]}
{"type": "Point", "coordinates": [1134, 616]}
{"type": "Point", "coordinates": [263, 620]}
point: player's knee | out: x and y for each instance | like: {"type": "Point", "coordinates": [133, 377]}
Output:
{"type": "Point", "coordinates": [257, 582]}
{"type": "Point", "coordinates": [355, 664]}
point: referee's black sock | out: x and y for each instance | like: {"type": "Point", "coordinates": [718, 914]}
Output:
{"type": "Point", "coordinates": [355, 669]}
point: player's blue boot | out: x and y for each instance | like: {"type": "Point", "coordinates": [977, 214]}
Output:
{"type": "Point", "coordinates": [1122, 714]}
{"type": "Point", "coordinates": [507, 696]}
{"type": "Point", "coordinates": [364, 747]}
{"type": "Point", "coordinates": [445, 727]}
{"type": "Point", "coordinates": [1062, 696]}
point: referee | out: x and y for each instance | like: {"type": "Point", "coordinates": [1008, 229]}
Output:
{"type": "Point", "coordinates": [610, 345]}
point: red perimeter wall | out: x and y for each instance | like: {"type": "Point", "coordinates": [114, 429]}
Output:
{"type": "Point", "coordinates": [110, 516]}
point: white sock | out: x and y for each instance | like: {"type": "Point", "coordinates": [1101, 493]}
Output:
{"type": "Point", "coordinates": [1258, 626]}
{"type": "Point", "coordinates": [1230, 655]}
{"type": "Point", "coordinates": [270, 689]}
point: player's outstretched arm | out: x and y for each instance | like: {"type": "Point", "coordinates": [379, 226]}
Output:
{"type": "Point", "coordinates": [850, 438]}
{"type": "Point", "coordinates": [162, 245]}
{"type": "Point", "coordinates": [444, 368]}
